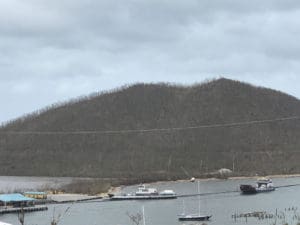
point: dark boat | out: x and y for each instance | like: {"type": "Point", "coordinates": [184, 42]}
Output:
{"type": "Point", "coordinates": [248, 189]}
{"type": "Point", "coordinates": [262, 185]}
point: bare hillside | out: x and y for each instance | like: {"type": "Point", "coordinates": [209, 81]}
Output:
{"type": "Point", "coordinates": [54, 147]}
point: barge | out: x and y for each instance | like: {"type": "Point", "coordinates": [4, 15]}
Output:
{"type": "Point", "coordinates": [144, 193]}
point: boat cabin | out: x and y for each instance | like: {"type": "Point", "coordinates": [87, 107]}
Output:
{"type": "Point", "coordinates": [264, 183]}
{"type": "Point", "coordinates": [142, 190]}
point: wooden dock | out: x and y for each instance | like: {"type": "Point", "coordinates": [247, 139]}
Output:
{"type": "Point", "coordinates": [25, 209]}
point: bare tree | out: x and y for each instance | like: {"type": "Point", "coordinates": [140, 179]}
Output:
{"type": "Point", "coordinates": [135, 218]}
{"type": "Point", "coordinates": [21, 216]}
{"type": "Point", "coordinates": [56, 219]}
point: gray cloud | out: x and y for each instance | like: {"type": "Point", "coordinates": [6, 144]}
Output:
{"type": "Point", "coordinates": [54, 50]}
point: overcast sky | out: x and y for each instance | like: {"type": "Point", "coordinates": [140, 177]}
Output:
{"type": "Point", "coordinates": [51, 51]}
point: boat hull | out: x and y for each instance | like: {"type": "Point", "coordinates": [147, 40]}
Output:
{"type": "Point", "coordinates": [249, 189]}
{"type": "Point", "coordinates": [265, 190]}
{"type": "Point", "coordinates": [194, 218]}
{"type": "Point", "coordinates": [142, 197]}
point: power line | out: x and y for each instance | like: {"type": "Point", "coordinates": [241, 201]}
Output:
{"type": "Point", "coordinates": [234, 124]}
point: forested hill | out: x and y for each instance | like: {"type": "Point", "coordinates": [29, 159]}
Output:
{"type": "Point", "coordinates": [128, 142]}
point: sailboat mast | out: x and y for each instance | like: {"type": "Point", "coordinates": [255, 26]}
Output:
{"type": "Point", "coordinates": [143, 211]}
{"type": "Point", "coordinates": [198, 197]}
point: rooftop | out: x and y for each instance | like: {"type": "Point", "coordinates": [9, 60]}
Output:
{"type": "Point", "coordinates": [14, 198]}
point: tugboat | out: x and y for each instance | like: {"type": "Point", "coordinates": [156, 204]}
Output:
{"type": "Point", "coordinates": [262, 185]}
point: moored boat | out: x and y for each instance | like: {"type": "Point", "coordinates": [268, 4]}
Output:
{"type": "Point", "coordinates": [144, 193]}
{"type": "Point", "coordinates": [262, 185]}
{"type": "Point", "coordinates": [135, 197]}
{"type": "Point", "coordinates": [194, 217]}
{"type": "Point", "coordinates": [167, 193]}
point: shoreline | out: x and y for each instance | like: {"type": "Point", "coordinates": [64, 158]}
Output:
{"type": "Point", "coordinates": [113, 190]}
{"type": "Point", "coordinates": [119, 188]}
{"type": "Point", "coordinates": [214, 178]}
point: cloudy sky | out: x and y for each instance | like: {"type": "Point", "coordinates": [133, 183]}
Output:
{"type": "Point", "coordinates": [51, 51]}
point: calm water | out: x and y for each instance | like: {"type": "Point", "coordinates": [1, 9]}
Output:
{"type": "Point", "coordinates": [164, 212]}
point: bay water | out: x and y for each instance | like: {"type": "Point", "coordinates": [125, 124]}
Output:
{"type": "Point", "coordinates": [285, 201]}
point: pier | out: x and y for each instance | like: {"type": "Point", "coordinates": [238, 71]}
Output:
{"type": "Point", "coordinates": [25, 209]}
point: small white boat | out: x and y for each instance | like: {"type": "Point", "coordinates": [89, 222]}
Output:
{"type": "Point", "coordinates": [167, 192]}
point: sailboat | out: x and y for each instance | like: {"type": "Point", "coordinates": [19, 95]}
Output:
{"type": "Point", "coordinates": [194, 217]}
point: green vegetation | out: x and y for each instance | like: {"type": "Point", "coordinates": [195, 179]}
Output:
{"type": "Point", "coordinates": [266, 148]}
